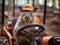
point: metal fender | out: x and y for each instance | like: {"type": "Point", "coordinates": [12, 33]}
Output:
{"type": "Point", "coordinates": [45, 40]}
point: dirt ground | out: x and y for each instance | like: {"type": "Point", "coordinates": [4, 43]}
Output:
{"type": "Point", "coordinates": [52, 24]}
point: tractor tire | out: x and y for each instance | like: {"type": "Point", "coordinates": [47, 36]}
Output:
{"type": "Point", "coordinates": [1, 43]}
{"type": "Point", "coordinates": [4, 40]}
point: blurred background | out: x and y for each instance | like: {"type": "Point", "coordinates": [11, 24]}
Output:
{"type": "Point", "coordinates": [52, 13]}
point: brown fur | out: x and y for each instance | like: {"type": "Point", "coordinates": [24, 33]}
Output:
{"type": "Point", "coordinates": [23, 22]}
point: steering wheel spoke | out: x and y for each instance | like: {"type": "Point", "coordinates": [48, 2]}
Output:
{"type": "Point", "coordinates": [25, 31]}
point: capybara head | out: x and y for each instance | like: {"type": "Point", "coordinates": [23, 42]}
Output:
{"type": "Point", "coordinates": [27, 16]}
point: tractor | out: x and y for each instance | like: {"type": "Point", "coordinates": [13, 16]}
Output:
{"type": "Point", "coordinates": [25, 31]}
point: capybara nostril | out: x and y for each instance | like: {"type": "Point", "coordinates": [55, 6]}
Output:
{"type": "Point", "coordinates": [27, 18]}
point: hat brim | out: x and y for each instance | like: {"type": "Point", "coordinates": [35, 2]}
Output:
{"type": "Point", "coordinates": [27, 9]}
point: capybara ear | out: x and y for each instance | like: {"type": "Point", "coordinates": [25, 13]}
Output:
{"type": "Point", "coordinates": [35, 9]}
{"type": "Point", "coordinates": [20, 7]}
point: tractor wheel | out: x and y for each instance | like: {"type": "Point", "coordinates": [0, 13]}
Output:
{"type": "Point", "coordinates": [4, 40]}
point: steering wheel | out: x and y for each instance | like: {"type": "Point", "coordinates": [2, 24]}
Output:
{"type": "Point", "coordinates": [21, 29]}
